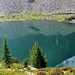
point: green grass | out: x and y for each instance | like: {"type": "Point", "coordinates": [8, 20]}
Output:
{"type": "Point", "coordinates": [14, 70]}
{"type": "Point", "coordinates": [17, 69]}
{"type": "Point", "coordinates": [63, 17]}
{"type": "Point", "coordinates": [37, 16]}
{"type": "Point", "coordinates": [59, 17]}
{"type": "Point", "coordinates": [23, 16]}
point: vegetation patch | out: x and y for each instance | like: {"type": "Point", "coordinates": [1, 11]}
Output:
{"type": "Point", "coordinates": [60, 17]}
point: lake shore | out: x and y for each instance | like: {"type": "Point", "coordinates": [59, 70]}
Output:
{"type": "Point", "coordinates": [36, 16]}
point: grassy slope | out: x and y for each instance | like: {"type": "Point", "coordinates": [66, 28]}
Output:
{"type": "Point", "coordinates": [17, 69]}
{"type": "Point", "coordinates": [35, 16]}
{"type": "Point", "coordinates": [23, 16]}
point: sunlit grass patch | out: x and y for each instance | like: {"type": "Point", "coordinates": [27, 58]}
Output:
{"type": "Point", "coordinates": [59, 17]}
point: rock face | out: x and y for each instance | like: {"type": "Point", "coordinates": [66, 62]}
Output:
{"type": "Point", "coordinates": [48, 6]}
{"type": "Point", "coordinates": [68, 62]}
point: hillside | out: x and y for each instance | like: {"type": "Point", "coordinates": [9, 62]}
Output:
{"type": "Point", "coordinates": [47, 6]}
{"type": "Point", "coordinates": [17, 69]}
{"type": "Point", "coordinates": [68, 62]}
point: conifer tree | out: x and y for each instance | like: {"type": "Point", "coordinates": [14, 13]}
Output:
{"type": "Point", "coordinates": [6, 57]}
{"type": "Point", "coordinates": [37, 58]}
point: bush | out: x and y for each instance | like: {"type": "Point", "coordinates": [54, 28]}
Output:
{"type": "Point", "coordinates": [66, 68]}
{"type": "Point", "coordinates": [25, 64]}
{"type": "Point", "coordinates": [71, 18]}
{"type": "Point", "coordinates": [56, 72]}
{"type": "Point", "coordinates": [16, 66]}
{"type": "Point", "coordinates": [68, 73]}
{"type": "Point", "coordinates": [28, 68]}
{"type": "Point", "coordinates": [15, 60]}
{"type": "Point", "coordinates": [41, 73]}
{"type": "Point", "coordinates": [7, 66]}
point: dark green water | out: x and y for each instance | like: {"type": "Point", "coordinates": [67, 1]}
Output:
{"type": "Point", "coordinates": [56, 39]}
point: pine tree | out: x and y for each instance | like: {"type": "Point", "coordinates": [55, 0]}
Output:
{"type": "Point", "coordinates": [6, 53]}
{"type": "Point", "coordinates": [37, 58]}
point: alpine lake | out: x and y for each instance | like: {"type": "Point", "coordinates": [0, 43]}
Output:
{"type": "Point", "coordinates": [57, 40]}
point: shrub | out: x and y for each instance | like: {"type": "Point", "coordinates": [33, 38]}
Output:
{"type": "Point", "coordinates": [28, 68]}
{"type": "Point", "coordinates": [15, 60]}
{"type": "Point", "coordinates": [41, 73]}
{"type": "Point", "coordinates": [72, 70]}
{"type": "Point", "coordinates": [70, 18]}
{"type": "Point", "coordinates": [16, 66]}
{"type": "Point", "coordinates": [66, 68]}
{"type": "Point", "coordinates": [56, 72]}
{"type": "Point", "coordinates": [68, 73]}
{"type": "Point", "coordinates": [25, 64]}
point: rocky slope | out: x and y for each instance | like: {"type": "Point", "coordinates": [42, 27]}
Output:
{"type": "Point", "coordinates": [68, 62]}
{"type": "Point", "coordinates": [48, 6]}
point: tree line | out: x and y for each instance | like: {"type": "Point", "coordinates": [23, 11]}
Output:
{"type": "Point", "coordinates": [36, 58]}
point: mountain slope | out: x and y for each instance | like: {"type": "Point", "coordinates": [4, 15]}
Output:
{"type": "Point", "coordinates": [48, 6]}
{"type": "Point", "coordinates": [68, 62]}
